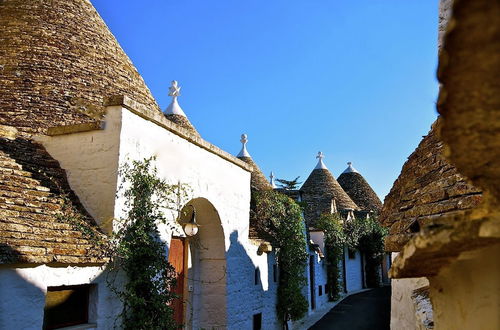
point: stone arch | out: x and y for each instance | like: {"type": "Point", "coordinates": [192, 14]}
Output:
{"type": "Point", "coordinates": [206, 282]}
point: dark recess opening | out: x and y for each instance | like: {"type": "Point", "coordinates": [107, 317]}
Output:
{"type": "Point", "coordinates": [66, 306]}
{"type": "Point", "coordinates": [257, 321]}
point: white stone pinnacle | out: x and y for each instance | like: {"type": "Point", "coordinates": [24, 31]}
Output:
{"type": "Point", "coordinates": [174, 108]}
{"type": "Point", "coordinates": [350, 169]}
{"type": "Point", "coordinates": [244, 152]}
{"type": "Point", "coordinates": [320, 164]}
{"type": "Point", "coordinates": [271, 181]}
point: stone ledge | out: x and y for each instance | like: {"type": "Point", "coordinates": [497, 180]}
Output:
{"type": "Point", "coordinates": [159, 119]}
{"type": "Point", "coordinates": [438, 245]}
{"type": "Point", "coordinates": [77, 128]}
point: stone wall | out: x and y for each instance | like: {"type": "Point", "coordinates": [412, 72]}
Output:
{"type": "Point", "coordinates": [466, 295]}
{"type": "Point", "coordinates": [90, 160]}
{"type": "Point", "coordinates": [403, 307]}
{"type": "Point", "coordinates": [427, 189]}
{"type": "Point", "coordinates": [224, 184]}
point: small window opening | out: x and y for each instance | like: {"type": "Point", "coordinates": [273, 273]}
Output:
{"type": "Point", "coordinates": [351, 253]}
{"type": "Point", "coordinates": [275, 273]}
{"type": "Point", "coordinates": [257, 321]}
{"type": "Point", "coordinates": [66, 306]}
{"type": "Point", "coordinates": [257, 276]}
{"type": "Point", "coordinates": [320, 289]}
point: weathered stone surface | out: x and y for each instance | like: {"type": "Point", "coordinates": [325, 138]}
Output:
{"type": "Point", "coordinates": [469, 101]}
{"type": "Point", "coordinates": [36, 208]}
{"type": "Point", "coordinates": [427, 188]}
{"type": "Point", "coordinates": [56, 66]}
{"type": "Point", "coordinates": [355, 185]}
{"type": "Point", "coordinates": [423, 308]}
{"type": "Point", "coordinates": [258, 179]}
{"type": "Point", "coordinates": [182, 122]}
{"type": "Point", "coordinates": [436, 246]}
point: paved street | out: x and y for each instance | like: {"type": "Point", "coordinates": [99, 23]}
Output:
{"type": "Point", "coordinates": [368, 310]}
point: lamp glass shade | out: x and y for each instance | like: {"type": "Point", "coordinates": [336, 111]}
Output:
{"type": "Point", "coordinates": [191, 229]}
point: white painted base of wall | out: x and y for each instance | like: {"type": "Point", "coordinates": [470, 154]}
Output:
{"type": "Point", "coordinates": [23, 290]}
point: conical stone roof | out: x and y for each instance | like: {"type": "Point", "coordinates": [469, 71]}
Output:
{"type": "Point", "coordinates": [258, 179]}
{"type": "Point", "coordinates": [427, 189]}
{"type": "Point", "coordinates": [58, 61]}
{"type": "Point", "coordinates": [322, 192]}
{"type": "Point", "coordinates": [359, 190]}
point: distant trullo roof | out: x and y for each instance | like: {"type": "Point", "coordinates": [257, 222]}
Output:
{"type": "Point", "coordinates": [359, 190]}
{"type": "Point", "coordinates": [174, 111]}
{"type": "Point", "coordinates": [320, 189]}
{"type": "Point", "coordinates": [58, 63]}
{"type": "Point", "coordinates": [258, 179]}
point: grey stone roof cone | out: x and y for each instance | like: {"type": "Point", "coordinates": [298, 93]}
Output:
{"type": "Point", "coordinates": [320, 189]}
{"type": "Point", "coordinates": [258, 179]}
{"type": "Point", "coordinates": [355, 185]}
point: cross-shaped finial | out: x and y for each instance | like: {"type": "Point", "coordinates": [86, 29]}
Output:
{"type": "Point", "coordinates": [320, 165]}
{"type": "Point", "coordinates": [272, 176]}
{"type": "Point", "coordinates": [349, 163]}
{"type": "Point", "coordinates": [174, 90]}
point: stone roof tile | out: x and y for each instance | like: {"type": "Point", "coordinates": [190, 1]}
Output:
{"type": "Point", "coordinates": [428, 188]}
{"type": "Point", "coordinates": [355, 185]}
{"type": "Point", "coordinates": [54, 71]}
{"type": "Point", "coordinates": [319, 190]}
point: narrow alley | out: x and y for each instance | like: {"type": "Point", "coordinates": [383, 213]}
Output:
{"type": "Point", "coordinates": [368, 310]}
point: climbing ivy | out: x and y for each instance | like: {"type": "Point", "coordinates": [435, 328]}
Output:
{"type": "Point", "coordinates": [279, 219]}
{"type": "Point", "coordinates": [331, 225]}
{"type": "Point", "coordinates": [147, 293]}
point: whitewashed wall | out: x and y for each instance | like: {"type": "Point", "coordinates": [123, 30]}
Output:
{"type": "Point", "coordinates": [320, 271]}
{"type": "Point", "coordinates": [23, 290]}
{"type": "Point", "coordinates": [92, 174]}
{"type": "Point", "coordinates": [353, 269]}
{"type": "Point", "coordinates": [403, 313]}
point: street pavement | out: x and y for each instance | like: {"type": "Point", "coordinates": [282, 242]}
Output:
{"type": "Point", "coordinates": [368, 310]}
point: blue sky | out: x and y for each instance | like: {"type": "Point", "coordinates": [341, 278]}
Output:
{"type": "Point", "coordinates": [353, 79]}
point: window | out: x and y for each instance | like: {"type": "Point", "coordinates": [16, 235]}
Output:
{"type": "Point", "coordinates": [275, 273]}
{"type": "Point", "coordinates": [257, 276]}
{"type": "Point", "coordinates": [351, 253]}
{"type": "Point", "coordinates": [320, 289]}
{"type": "Point", "coordinates": [66, 306]}
{"type": "Point", "coordinates": [257, 321]}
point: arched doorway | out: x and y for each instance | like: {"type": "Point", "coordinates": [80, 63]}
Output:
{"type": "Point", "coordinates": [205, 296]}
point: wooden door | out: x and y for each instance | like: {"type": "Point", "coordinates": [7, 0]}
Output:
{"type": "Point", "coordinates": [177, 258]}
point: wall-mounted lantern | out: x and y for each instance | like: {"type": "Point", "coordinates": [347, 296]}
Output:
{"type": "Point", "coordinates": [191, 227]}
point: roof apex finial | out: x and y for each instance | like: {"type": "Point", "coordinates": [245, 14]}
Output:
{"type": "Point", "coordinates": [350, 169]}
{"type": "Point", "coordinates": [174, 108]}
{"type": "Point", "coordinates": [320, 164]}
{"type": "Point", "coordinates": [244, 141]}
{"type": "Point", "coordinates": [271, 181]}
